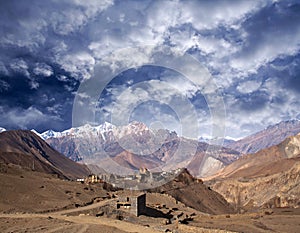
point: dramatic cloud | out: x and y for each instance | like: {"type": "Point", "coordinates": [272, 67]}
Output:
{"type": "Point", "coordinates": [43, 69]}
{"type": "Point", "coordinates": [49, 48]}
{"type": "Point", "coordinates": [24, 118]}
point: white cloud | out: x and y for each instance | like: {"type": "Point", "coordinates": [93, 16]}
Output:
{"type": "Point", "coordinates": [183, 85]}
{"type": "Point", "coordinates": [269, 48]}
{"type": "Point", "coordinates": [127, 58]}
{"type": "Point", "coordinates": [76, 16]}
{"type": "Point", "coordinates": [55, 109]}
{"type": "Point", "coordinates": [33, 84]}
{"type": "Point", "coordinates": [62, 78]}
{"type": "Point", "coordinates": [207, 15]}
{"type": "Point", "coordinates": [280, 105]}
{"type": "Point", "coordinates": [43, 69]}
{"type": "Point", "coordinates": [248, 86]}
{"type": "Point", "coordinates": [20, 66]}
{"type": "Point", "coordinates": [27, 33]}
{"type": "Point", "coordinates": [25, 118]}
{"type": "Point", "coordinates": [80, 65]}
{"type": "Point", "coordinates": [125, 102]}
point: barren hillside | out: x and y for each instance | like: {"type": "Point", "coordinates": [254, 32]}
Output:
{"type": "Point", "coordinates": [270, 177]}
{"type": "Point", "coordinates": [26, 149]}
{"type": "Point", "coordinates": [194, 193]}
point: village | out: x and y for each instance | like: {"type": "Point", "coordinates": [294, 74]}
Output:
{"type": "Point", "coordinates": [143, 179]}
{"type": "Point", "coordinates": [131, 200]}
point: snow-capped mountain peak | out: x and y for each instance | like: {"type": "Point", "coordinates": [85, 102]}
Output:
{"type": "Point", "coordinates": [49, 134]}
{"type": "Point", "coordinates": [106, 126]}
{"type": "Point", "coordinates": [37, 133]}
{"type": "Point", "coordinates": [2, 129]}
{"type": "Point", "coordinates": [84, 130]}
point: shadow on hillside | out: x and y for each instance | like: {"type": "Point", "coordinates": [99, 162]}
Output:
{"type": "Point", "coordinates": [150, 212]}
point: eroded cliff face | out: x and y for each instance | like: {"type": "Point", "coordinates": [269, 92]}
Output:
{"type": "Point", "coordinates": [268, 178]}
{"type": "Point", "coordinates": [279, 190]}
{"type": "Point", "coordinates": [291, 146]}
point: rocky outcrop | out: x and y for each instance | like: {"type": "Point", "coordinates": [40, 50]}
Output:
{"type": "Point", "coordinates": [278, 190]}
{"type": "Point", "coordinates": [193, 193]}
{"type": "Point", "coordinates": [268, 178]}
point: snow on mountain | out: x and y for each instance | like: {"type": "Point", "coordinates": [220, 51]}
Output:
{"type": "Point", "coordinates": [88, 130]}
{"type": "Point", "coordinates": [123, 149]}
{"type": "Point", "coordinates": [133, 128]}
{"type": "Point", "coordinates": [2, 129]}
{"type": "Point", "coordinates": [37, 133]}
{"type": "Point", "coordinates": [106, 126]}
{"type": "Point", "coordinates": [81, 131]}
{"type": "Point", "coordinates": [49, 134]}
{"type": "Point", "coordinates": [205, 139]}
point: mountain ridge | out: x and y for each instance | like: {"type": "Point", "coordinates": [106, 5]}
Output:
{"type": "Point", "coordinates": [157, 149]}
{"type": "Point", "coordinates": [269, 177]}
{"type": "Point", "coordinates": [25, 148]}
{"type": "Point", "coordinates": [271, 135]}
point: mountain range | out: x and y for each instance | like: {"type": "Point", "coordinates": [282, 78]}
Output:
{"type": "Point", "coordinates": [267, 178]}
{"type": "Point", "coordinates": [127, 148]}
{"type": "Point", "coordinates": [270, 136]}
{"type": "Point", "coordinates": [135, 145]}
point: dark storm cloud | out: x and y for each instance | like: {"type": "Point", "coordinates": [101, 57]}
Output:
{"type": "Point", "coordinates": [48, 106]}
{"type": "Point", "coordinates": [38, 77]}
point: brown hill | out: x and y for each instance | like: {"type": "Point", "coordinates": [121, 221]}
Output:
{"type": "Point", "coordinates": [268, 177]}
{"type": "Point", "coordinates": [193, 193]}
{"type": "Point", "coordinates": [26, 149]}
{"type": "Point", "coordinates": [268, 161]}
{"type": "Point", "coordinates": [23, 190]}
{"type": "Point", "coordinates": [129, 160]}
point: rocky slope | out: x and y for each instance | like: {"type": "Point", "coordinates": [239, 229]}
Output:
{"type": "Point", "coordinates": [128, 148]}
{"type": "Point", "coordinates": [193, 193]}
{"type": "Point", "coordinates": [268, 137]}
{"type": "Point", "coordinates": [270, 177]}
{"type": "Point", "coordinates": [26, 149]}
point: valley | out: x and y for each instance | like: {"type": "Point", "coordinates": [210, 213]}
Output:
{"type": "Point", "coordinates": [248, 193]}
{"type": "Point", "coordinates": [38, 202]}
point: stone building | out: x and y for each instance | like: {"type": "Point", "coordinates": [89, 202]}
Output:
{"type": "Point", "coordinates": [93, 179]}
{"type": "Point", "coordinates": [132, 203]}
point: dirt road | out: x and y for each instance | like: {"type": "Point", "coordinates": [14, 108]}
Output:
{"type": "Point", "coordinates": [60, 222]}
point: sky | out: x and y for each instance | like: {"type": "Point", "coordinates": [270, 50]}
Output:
{"type": "Point", "coordinates": [115, 55]}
